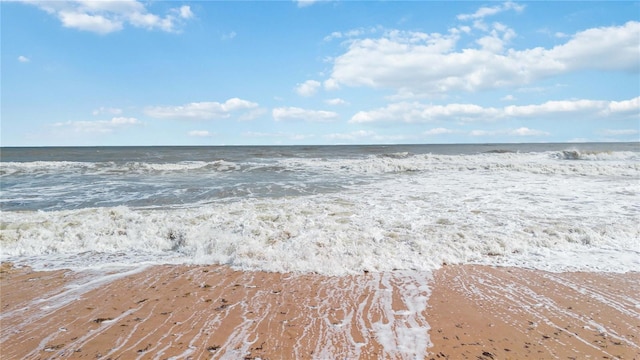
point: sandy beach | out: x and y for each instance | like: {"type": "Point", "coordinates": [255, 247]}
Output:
{"type": "Point", "coordinates": [195, 312]}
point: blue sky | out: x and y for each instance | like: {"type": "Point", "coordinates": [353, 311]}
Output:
{"type": "Point", "coordinates": [318, 72]}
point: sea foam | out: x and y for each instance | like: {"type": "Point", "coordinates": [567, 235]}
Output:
{"type": "Point", "coordinates": [499, 209]}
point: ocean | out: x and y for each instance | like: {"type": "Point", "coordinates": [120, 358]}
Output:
{"type": "Point", "coordinates": [331, 210]}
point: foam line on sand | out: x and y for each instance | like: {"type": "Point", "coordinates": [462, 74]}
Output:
{"type": "Point", "coordinates": [457, 312]}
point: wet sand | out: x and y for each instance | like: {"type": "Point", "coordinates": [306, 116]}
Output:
{"type": "Point", "coordinates": [196, 312]}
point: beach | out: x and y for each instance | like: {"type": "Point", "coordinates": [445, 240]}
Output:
{"type": "Point", "coordinates": [488, 251]}
{"type": "Point", "coordinates": [214, 311]}
{"type": "Point", "coordinates": [320, 180]}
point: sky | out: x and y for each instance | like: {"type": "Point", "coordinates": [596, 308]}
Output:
{"type": "Point", "coordinates": [128, 72]}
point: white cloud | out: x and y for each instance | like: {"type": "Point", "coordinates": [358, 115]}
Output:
{"type": "Point", "coordinates": [351, 33]}
{"type": "Point", "coordinates": [23, 59]}
{"type": "Point", "coordinates": [438, 131]}
{"type": "Point", "coordinates": [523, 131]}
{"type": "Point", "coordinates": [493, 10]}
{"type": "Point", "coordinates": [97, 126]}
{"type": "Point", "coordinates": [415, 112]}
{"type": "Point", "coordinates": [429, 64]}
{"type": "Point", "coordinates": [625, 106]}
{"type": "Point", "coordinates": [117, 121]}
{"type": "Point", "coordinates": [108, 16]}
{"type": "Point", "coordinates": [336, 101]}
{"type": "Point", "coordinates": [151, 21]}
{"type": "Point", "coordinates": [118, 6]}
{"type": "Point", "coordinates": [201, 110]}
{"type": "Point", "coordinates": [308, 88]}
{"type": "Point", "coordinates": [496, 39]}
{"type": "Point", "coordinates": [604, 48]}
{"type": "Point", "coordinates": [555, 107]}
{"type": "Point", "coordinates": [199, 133]}
{"type": "Point", "coordinates": [185, 12]}
{"type": "Point", "coordinates": [106, 110]}
{"type": "Point", "coordinates": [88, 22]}
{"type": "Point", "coordinates": [508, 98]}
{"type": "Point", "coordinates": [331, 84]}
{"type": "Point", "coordinates": [295, 113]}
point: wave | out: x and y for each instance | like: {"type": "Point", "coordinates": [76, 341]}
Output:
{"type": "Point", "coordinates": [398, 155]}
{"type": "Point", "coordinates": [403, 223]}
{"type": "Point", "coordinates": [601, 162]}
{"type": "Point", "coordinates": [44, 167]}
{"type": "Point", "coordinates": [499, 151]}
{"type": "Point", "coordinates": [573, 154]}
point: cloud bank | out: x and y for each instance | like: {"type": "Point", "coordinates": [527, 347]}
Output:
{"type": "Point", "coordinates": [109, 16]}
{"type": "Point", "coordinates": [429, 64]}
{"type": "Point", "coordinates": [97, 126]}
{"type": "Point", "coordinates": [203, 110]}
{"type": "Point", "coordinates": [416, 112]}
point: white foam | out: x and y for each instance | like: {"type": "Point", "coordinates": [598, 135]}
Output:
{"type": "Point", "coordinates": [40, 167]}
{"type": "Point", "coordinates": [390, 212]}
{"type": "Point", "coordinates": [601, 163]}
{"type": "Point", "coordinates": [504, 217]}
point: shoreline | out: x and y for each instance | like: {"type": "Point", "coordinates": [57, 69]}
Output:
{"type": "Point", "coordinates": [213, 311]}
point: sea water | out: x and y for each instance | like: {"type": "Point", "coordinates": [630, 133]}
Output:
{"type": "Point", "coordinates": [331, 210]}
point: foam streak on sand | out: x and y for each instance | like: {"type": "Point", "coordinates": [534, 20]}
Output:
{"type": "Point", "coordinates": [181, 312]}
{"type": "Point", "coordinates": [539, 314]}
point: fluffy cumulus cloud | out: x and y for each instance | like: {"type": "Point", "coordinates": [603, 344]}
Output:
{"type": "Point", "coordinates": [308, 88]}
{"type": "Point", "coordinates": [204, 110]}
{"type": "Point", "coordinates": [429, 64]}
{"type": "Point", "coordinates": [631, 107]}
{"type": "Point", "coordinates": [23, 59]}
{"type": "Point", "coordinates": [108, 16]}
{"type": "Point", "coordinates": [97, 126]}
{"type": "Point", "coordinates": [299, 114]}
{"type": "Point", "coordinates": [605, 48]}
{"type": "Point", "coordinates": [416, 112]}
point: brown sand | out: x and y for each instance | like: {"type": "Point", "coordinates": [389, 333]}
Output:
{"type": "Point", "coordinates": [195, 312]}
